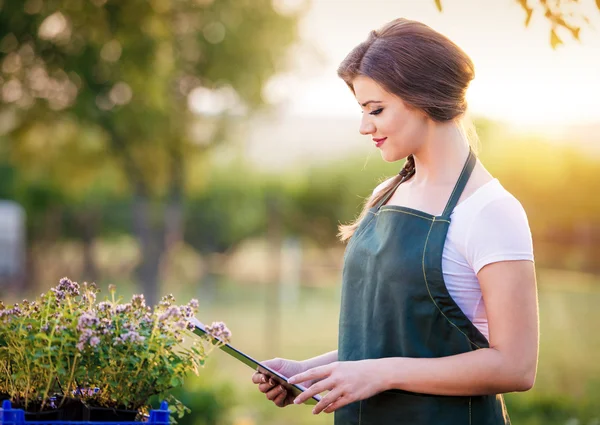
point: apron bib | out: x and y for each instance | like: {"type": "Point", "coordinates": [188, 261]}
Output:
{"type": "Point", "coordinates": [395, 304]}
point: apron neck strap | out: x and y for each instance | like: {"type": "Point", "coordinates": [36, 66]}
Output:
{"type": "Point", "coordinates": [458, 188]}
{"type": "Point", "coordinates": [383, 200]}
{"type": "Point", "coordinates": [460, 184]}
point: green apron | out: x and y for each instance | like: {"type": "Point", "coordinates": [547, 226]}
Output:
{"type": "Point", "coordinates": [395, 304]}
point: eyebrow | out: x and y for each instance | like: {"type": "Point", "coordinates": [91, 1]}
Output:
{"type": "Point", "coordinates": [370, 101]}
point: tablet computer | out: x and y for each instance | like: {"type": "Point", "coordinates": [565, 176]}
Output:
{"type": "Point", "coordinates": [199, 329]}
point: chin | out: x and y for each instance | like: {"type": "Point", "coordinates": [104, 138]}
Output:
{"type": "Point", "coordinates": [391, 156]}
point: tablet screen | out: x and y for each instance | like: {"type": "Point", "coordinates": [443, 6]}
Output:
{"type": "Point", "coordinates": [254, 364]}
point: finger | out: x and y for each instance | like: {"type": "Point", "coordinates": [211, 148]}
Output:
{"type": "Point", "coordinates": [315, 374]}
{"type": "Point", "coordinates": [280, 400]}
{"type": "Point", "coordinates": [264, 388]}
{"type": "Point", "coordinates": [315, 389]}
{"type": "Point", "coordinates": [272, 394]}
{"type": "Point", "coordinates": [340, 402]}
{"type": "Point", "coordinates": [258, 378]}
{"type": "Point", "coordinates": [331, 397]}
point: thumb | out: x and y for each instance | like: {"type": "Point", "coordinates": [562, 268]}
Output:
{"type": "Point", "coordinates": [276, 364]}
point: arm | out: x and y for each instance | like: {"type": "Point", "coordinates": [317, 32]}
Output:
{"type": "Point", "coordinates": [509, 292]}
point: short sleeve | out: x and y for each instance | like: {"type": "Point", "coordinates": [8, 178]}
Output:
{"type": "Point", "coordinates": [499, 232]}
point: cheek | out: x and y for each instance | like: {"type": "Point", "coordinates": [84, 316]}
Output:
{"type": "Point", "coordinates": [396, 127]}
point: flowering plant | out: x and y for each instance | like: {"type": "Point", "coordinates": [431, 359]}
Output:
{"type": "Point", "coordinates": [65, 346]}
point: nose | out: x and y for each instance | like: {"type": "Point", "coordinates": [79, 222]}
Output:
{"type": "Point", "coordinates": [366, 126]}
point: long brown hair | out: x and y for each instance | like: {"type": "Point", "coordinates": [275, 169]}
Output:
{"type": "Point", "coordinates": [422, 67]}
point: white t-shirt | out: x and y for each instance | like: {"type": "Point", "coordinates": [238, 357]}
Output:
{"type": "Point", "coordinates": [488, 226]}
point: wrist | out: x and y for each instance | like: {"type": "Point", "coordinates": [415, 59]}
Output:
{"type": "Point", "coordinates": [305, 364]}
{"type": "Point", "coordinates": [387, 370]}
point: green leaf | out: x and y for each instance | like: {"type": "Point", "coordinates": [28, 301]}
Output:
{"type": "Point", "coordinates": [555, 40]}
{"type": "Point", "coordinates": [175, 381]}
{"type": "Point", "coordinates": [438, 4]}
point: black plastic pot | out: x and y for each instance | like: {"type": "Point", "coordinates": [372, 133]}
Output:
{"type": "Point", "coordinates": [102, 414]}
{"type": "Point", "coordinates": [49, 415]}
{"type": "Point", "coordinates": [76, 410]}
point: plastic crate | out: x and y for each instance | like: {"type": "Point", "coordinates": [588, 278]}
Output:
{"type": "Point", "coordinates": [10, 416]}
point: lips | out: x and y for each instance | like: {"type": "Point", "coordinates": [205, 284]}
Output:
{"type": "Point", "coordinates": [379, 142]}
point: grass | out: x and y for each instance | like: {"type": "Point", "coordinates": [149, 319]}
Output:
{"type": "Point", "coordinates": [568, 381]}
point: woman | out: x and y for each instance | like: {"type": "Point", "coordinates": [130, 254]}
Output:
{"type": "Point", "coordinates": [439, 306]}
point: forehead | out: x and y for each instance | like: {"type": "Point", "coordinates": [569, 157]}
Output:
{"type": "Point", "coordinates": [366, 89]}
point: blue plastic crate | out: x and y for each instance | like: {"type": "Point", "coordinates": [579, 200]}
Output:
{"type": "Point", "coordinates": [10, 416]}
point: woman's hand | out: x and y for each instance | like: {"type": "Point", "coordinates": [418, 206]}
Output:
{"type": "Point", "coordinates": [347, 382]}
{"type": "Point", "coordinates": [275, 392]}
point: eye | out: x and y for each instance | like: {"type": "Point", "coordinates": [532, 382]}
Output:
{"type": "Point", "coordinates": [376, 111]}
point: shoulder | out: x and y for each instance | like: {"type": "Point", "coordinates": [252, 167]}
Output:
{"type": "Point", "coordinates": [491, 200]}
{"type": "Point", "coordinates": [491, 226]}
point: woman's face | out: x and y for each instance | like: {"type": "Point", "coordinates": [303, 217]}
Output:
{"type": "Point", "coordinates": [395, 129]}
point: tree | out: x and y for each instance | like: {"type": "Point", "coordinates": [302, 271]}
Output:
{"type": "Point", "coordinates": [123, 73]}
{"type": "Point", "coordinates": [562, 15]}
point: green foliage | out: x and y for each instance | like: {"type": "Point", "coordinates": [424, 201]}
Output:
{"type": "Point", "coordinates": [108, 354]}
{"type": "Point", "coordinates": [100, 96]}
{"type": "Point", "coordinates": [545, 409]}
{"type": "Point", "coordinates": [210, 400]}
{"type": "Point", "coordinates": [86, 76]}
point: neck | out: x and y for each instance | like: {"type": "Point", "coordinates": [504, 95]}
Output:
{"type": "Point", "coordinates": [441, 157]}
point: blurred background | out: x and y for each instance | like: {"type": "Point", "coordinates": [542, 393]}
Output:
{"type": "Point", "coordinates": [206, 148]}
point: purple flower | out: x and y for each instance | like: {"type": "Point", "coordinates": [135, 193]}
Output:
{"type": "Point", "coordinates": [85, 392]}
{"type": "Point", "coordinates": [219, 330]}
{"type": "Point", "coordinates": [172, 311]}
{"type": "Point", "coordinates": [87, 320]}
{"type": "Point", "coordinates": [104, 306]}
{"type": "Point", "coordinates": [130, 336]}
{"type": "Point", "coordinates": [167, 300]}
{"type": "Point", "coordinates": [67, 286]}
{"type": "Point", "coordinates": [123, 308]}
{"type": "Point", "coordinates": [146, 320]}
{"type": "Point", "coordinates": [89, 297]}
{"type": "Point", "coordinates": [105, 326]}
{"type": "Point", "coordinates": [94, 341]}
{"type": "Point", "coordinates": [187, 311]}
{"type": "Point", "coordinates": [15, 311]}
{"type": "Point", "coordinates": [138, 301]}
{"type": "Point", "coordinates": [86, 336]}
